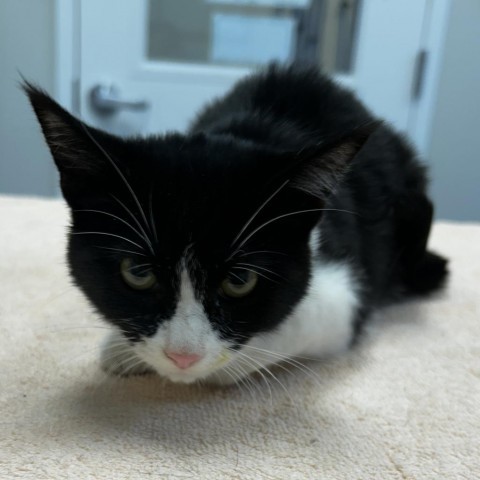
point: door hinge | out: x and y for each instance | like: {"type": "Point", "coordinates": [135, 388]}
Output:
{"type": "Point", "coordinates": [419, 74]}
{"type": "Point", "coordinates": [75, 97]}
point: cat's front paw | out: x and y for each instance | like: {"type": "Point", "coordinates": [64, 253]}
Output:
{"type": "Point", "coordinates": [118, 358]}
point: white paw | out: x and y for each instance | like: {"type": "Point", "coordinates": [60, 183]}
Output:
{"type": "Point", "coordinates": [118, 357]}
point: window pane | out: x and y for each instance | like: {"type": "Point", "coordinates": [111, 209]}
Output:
{"type": "Point", "coordinates": [253, 32]}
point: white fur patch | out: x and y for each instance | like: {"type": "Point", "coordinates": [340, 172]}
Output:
{"type": "Point", "coordinates": [320, 325]}
{"type": "Point", "coordinates": [323, 320]}
{"type": "Point", "coordinates": [188, 331]}
{"type": "Point", "coordinates": [314, 242]}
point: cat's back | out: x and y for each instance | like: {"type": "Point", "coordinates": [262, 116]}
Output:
{"type": "Point", "coordinates": [302, 97]}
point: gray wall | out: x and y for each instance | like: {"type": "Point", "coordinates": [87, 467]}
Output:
{"type": "Point", "coordinates": [455, 142]}
{"type": "Point", "coordinates": [26, 46]}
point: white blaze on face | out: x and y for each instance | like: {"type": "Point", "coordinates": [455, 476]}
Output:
{"type": "Point", "coordinates": [189, 326]}
{"type": "Point", "coordinates": [187, 332]}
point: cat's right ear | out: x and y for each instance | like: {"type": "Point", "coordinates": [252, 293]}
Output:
{"type": "Point", "coordinates": [75, 147]}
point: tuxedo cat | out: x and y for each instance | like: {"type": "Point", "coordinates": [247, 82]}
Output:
{"type": "Point", "coordinates": [269, 230]}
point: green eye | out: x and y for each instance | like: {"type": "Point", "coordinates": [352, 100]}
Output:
{"type": "Point", "coordinates": [239, 284]}
{"type": "Point", "coordinates": [137, 276]}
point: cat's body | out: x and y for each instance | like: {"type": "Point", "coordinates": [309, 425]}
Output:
{"type": "Point", "coordinates": [269, 231]}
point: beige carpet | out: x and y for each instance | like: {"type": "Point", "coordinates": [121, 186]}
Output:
{"type": "Point", "coordinates": [406, 405]}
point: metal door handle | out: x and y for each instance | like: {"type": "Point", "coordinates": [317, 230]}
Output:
{"type": "Point", "coordinates": [106, 100]}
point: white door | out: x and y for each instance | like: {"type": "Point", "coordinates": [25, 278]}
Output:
{"type": "Point", "coordinates": [166, 58]}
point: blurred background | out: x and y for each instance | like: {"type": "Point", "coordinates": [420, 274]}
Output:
{"type": "Point", "coordinates": [146, 66]}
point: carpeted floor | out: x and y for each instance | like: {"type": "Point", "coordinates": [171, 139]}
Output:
{"type": "Point", "coordinates": [405, 405]}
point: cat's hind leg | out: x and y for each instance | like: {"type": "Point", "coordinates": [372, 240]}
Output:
{"type": "Point", "coordinates": [421, 271]}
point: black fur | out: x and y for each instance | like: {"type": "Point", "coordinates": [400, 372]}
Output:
{"type": "Point", "coordinates": [354, 178]}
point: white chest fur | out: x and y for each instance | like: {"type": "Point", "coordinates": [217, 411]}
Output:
{"type": "Point", "coordinates": [320, 325]}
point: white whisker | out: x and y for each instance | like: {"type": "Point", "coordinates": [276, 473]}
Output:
{"type": "Point", "coordinates": [246, 379]}
{"type": "Point", "coordinates": [145, 270]}
{"type": "Point", "coordinates": [288, 360]}
{"type": "Point", "coordinates": [261, 366]}
{"type": "Point", "coordinates": [115, 166]}
{"type": "Point", "coordinates": [97, 348]}
{"type": "Point", "coordinates": [122, 365]}
{"type": "Point", "coordinates": [152, 218]}
{"type": "Point", "coordinates": [121, 250]}
{"type": "Point", "coordinates": [109, 235]}
{"type": "Point", "coordinates": [132, 366]}
{"type": "Point", "coordinates": [123, 221]}
{"type": "Point", "coordinates": [131, 215]}
{"type": "Point", "coordinates": [248, 237]}
{"type": "Point", "coordinates": [247, 358]}
{"type": "Point", "coordinates": [257, 273]}
{"type": "Point", "coordinates": [261, 251]}
{"type": "Point", "coordinates": [245, 240]}
{"type": "Point", "coordinates": [80, 327]}
{"type": "Point", "coordinates": [250, 220]}
{"type": "Point", "coordinates": [280, 354]}
{"type": "Point", "coordinates": [237, 277]}
{"type": "Point", "coordinates": [241, 378]}
{"type": "Point", "coordinates": [140, 265]}
{"type": "Point", "coordinates": [261, 268]}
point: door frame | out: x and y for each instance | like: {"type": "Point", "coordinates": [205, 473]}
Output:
{"type": "Point", "coordinates": [422, 110]}
{"type": "Point", "coordinates": [67, 63]}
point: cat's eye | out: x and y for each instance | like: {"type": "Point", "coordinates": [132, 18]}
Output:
{"type": "Point", "coordinates": [137, 276]}
{"type": "Point", "coordinates": [239, 284]}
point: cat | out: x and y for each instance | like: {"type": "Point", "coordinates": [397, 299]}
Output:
{"type": "Point", "coordinates": [270, 230]}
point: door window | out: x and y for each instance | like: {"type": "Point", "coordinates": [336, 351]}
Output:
{"type": "Point", "coordinates": [250, 33]}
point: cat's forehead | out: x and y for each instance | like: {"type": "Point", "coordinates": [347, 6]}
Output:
{"type": "Point", "coordinates": [202, 192]}
{"type": "Point", "coordinates": [199, 161]}
{"type": "Point", "coordinates": [188, 181]}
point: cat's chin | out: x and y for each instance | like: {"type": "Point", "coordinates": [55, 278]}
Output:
{"type": "Point", "coordinates": [213, 377]}
{"type": "Point", "coordinates": [216, 379]}
{"type": "Point", "coordinates": [180, 378]}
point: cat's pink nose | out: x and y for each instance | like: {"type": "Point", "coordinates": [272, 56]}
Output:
{"type": "Point", "coordinates": [183, 360]}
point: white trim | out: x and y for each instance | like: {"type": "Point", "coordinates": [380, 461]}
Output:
{"type": "Point", "coordinates": [66, 57]}
{"type": "Point", "coordinates": [64, 52]}
{"type": "Point", "coordinates": [385, 57]}
{"type": "Point", "coordinates": [433, 41]}
{"type": "Point", "coordinates": [197, 72]}
{"type": "Point", "coordinates": [178, 72]}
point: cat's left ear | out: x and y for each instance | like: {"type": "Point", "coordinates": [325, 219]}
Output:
{"type": "Point", "coordinates": [79, 151]}
{"type": "Point", "coordinates": [318, 170]}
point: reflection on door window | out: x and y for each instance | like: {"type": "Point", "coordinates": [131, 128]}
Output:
{"type": "Point", "coordinates": [254, 32]}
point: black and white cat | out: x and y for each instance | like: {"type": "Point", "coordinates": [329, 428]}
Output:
{"type": "Point", "coordinates": [270, 230]}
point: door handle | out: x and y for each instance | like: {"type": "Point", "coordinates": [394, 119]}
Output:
{"type": "Point", "coordinates": [106, 100]}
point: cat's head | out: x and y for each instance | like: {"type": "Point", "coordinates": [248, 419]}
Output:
{"type": "Point", "coordinates": [189, 245]}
